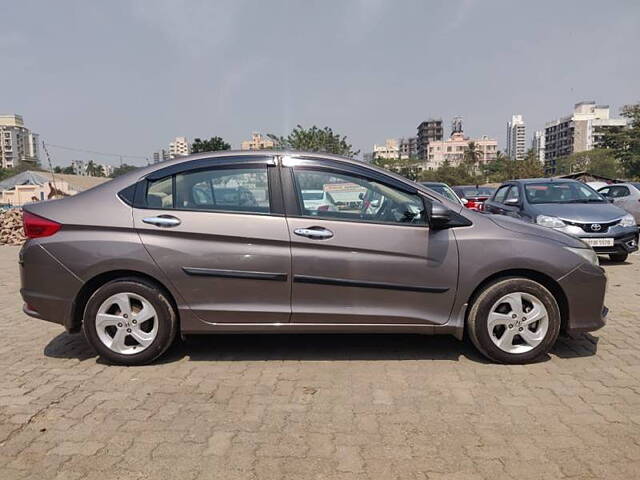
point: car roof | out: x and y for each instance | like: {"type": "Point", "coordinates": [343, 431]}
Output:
{"type": "Point", "coordinates": [543, 180]}
{"type": "Point", "coordinates": [427, 184]}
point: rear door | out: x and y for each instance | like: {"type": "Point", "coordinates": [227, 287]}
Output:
{"type": "Point", "coordinates": [217, 230]}
{"type": "Point", "coordinates": [371, 261]}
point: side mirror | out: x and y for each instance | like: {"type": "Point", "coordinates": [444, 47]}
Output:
{"type": "Point", "coordinates": [512, 202]}
{"type": "Point", "coordinates": [440, 216]}
{"type": "Point", "coordinates": [464, 201]}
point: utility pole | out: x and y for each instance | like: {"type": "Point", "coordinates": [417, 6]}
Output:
{"type": "Point", "coordinates": [53, 178]}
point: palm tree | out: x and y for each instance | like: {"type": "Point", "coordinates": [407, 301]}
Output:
{"type": "Point", "coordinates": [94, 170]}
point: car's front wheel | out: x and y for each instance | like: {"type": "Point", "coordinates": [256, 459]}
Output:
{"type": "Point", "coordinates": [514, 320]}
{"type": "Point", "coordinates": [129, 321]}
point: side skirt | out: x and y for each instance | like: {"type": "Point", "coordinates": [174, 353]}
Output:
{"type": "Point", "coordinates": [239, 328]}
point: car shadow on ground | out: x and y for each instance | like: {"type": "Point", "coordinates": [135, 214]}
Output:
{"type": "Point", "coordinates": [317, 347]}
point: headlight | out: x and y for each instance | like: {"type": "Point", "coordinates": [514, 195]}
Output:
{"type": "Point", "coordinates": [628, 221]}
{"type": "Point", "coordinates": [587, 254]}
{"type": "Point", "coordinates": [551, 222]}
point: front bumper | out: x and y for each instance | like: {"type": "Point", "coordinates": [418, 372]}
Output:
{"type": "Point", "coordinates": [623, 244]}
{"type": "Point", "coordinates": [585, 288]}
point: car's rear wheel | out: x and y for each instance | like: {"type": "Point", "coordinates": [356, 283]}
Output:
{"type": "Point", "coordinates": [129, 321]}
{"type": "Point", "coordinates": [514, 320]}
{"type": "Point", "coordinates": [618, 257]}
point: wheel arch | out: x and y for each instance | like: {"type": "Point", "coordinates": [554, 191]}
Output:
{"type": "Point", "coordinates": [543, 279]}
{"type": "Point", "coordinates": [90, 286]}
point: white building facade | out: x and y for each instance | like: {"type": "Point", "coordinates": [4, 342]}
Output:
{"type": "Point", "coordinates": [516, 138]}
{"type": "Point", "coordinates": [179, 147]}
{"type": "Point", "coordinates": [17, 143]}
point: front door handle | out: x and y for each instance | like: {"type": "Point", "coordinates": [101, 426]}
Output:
{"type": "Point", "coordinates": [314, 233]}
{"type": "Point", "coordinates": [164, 221]}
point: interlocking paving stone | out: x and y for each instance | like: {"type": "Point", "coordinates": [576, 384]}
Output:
{"type": "Point", "coordinates": [322, 406]}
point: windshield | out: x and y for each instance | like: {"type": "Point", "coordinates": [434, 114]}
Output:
{"type": "Point", "coordinates": [557, 192]}
{"type": "Point", "coordinates": [478, 192]}
{"type": "Point", "coordinates": [445, 191]}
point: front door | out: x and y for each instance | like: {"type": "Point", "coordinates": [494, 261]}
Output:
{"type": "Point", "coordinates": [365, 255]}
{"type": "Point", "coordinates": [216, 236]}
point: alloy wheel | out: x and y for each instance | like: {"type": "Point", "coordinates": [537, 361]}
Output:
{"type": "Point", "coordinates": [518, 322]}
{"type": "Point", "coordinates": [126, 323]}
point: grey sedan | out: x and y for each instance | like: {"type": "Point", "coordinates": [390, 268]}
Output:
{"type": "Point", "coordinates": [228, 243]}
{"type": "Point", "coordinates": [570, 207]}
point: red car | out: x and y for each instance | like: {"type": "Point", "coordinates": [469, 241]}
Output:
{"type": "Point", "coordinates": [474, 197]}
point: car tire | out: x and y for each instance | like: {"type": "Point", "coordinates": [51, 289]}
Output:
{"type": "Point", "coordinates": [618, 257]}
{"type": "Point", "coordinates": [494, 313]}
{"type": "Point", "coordinates": [116, 333]}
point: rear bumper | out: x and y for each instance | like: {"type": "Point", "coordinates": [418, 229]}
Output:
{"type": "Point", "coordinates": [48, 288]}
{"type": "Point", "coordinates": [585, 289]}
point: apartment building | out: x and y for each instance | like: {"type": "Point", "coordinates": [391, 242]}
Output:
{"type": "Point", "coordinates": [389, 151]}
{"type": "Point", "coordinates": [257, 142]}
{"type": "Point", "coordinates": [428, 131]}
{"type": "Point", "coordinates": [408, 147]}
{"type": "Point", "coordinates": [180, 147]}
{"type": "Point", "coordinates": [578, 132]}
{"type": "Point", "coordinates": [452, 150]}
{"type": "Point", "coordinates": [17, 143]}
{"type": "Point", "coordinates": [516, 138]}
{"type": "Point", "coordinates": [537, 144]}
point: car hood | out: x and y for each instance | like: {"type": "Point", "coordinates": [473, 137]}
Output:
{"type": "Point", "coordinates": [580, 212]}
{"type": "Point", "coordinates": [515, 225]}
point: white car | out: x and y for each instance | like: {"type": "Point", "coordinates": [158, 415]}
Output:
{"type": "Point", "coordinates": [315, 200]}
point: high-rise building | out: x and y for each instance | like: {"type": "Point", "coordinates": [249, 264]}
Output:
{"type": "Point", "coordinates": [257, 142]}
{"type": "Point", "coordinates": [537, 145]}
{"type": "Point", "coordinates": [179, 147]}
{"type": "Point", "coordinates": [428, 131]}
{"type": "Point", "coordinates": [17, 143]}
{"type": "Point", "coordinates": [578, 132]}
{"type": "Point", "coordinates": [516, 138]}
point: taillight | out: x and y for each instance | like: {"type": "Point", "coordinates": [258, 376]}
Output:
{"type": "Point", "coordinates": [472, 204]}
{"type": "Point", "coordinates": [38, 227]}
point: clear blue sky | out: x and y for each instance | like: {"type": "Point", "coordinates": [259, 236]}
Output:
{"type": "Point", "coordinates": [128, 76]}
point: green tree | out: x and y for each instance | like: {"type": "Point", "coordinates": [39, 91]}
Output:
{"type": "Point", "coordinates": [122, 169]}
{"type": "Point", "coordinates": [315, 139]}
{"type": "Point", "coordinates": [529, 167]}
{"type": "Point", "coordinates": [624, 142]}
{"type": "Point", "coordinates": [94, 170]}
{"type": "Point", "coordinates": [407, 167]}
{"type": "Point", "coordinates": [598, 161]}
{"type": "Point", "coordinates": [214, 144]}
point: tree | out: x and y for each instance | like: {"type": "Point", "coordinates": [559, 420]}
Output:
{"type": "Point", "coordinates": [529, 167]}
{"type": "Point", "coordinates": [214, 144]}
{"type": "Point", "coordinates": [407, 167]}
{"type": "Point", "coordinates": [598, 161]}
{"type": "Point", "coordinates": [94, 170]}
{"type": "Point", "coordinates": [315, 139]}
{"type": "Point", "coordinates": [122, 169]}
{"type": "Point", "coordinates": [624, 142]}
{"type": "Point", "coordinates": [64, 170]}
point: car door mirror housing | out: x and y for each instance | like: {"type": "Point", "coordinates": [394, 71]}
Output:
{"type": "Point", "coordinates": [439, 216]}
{"type": "Point", "coordinates": [512, 202]}
{"type": "Point", "coordinates": [464, 201]}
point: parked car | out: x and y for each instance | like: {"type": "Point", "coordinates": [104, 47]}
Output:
{"type": "Point", "coordinates": [473, 197]}
{"type": "Point", "coordinates": [625, 196]}
{"type": "Point", "coordinates": [444, 190]}
{"type": "Point", "coordinates": [133, 270]}
{"type": "Point", "coordinates": [571, 207]}
{"type": "Point", "coordinates": [318, 200]}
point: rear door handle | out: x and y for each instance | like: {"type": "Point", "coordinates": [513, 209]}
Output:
{"type": "Point", "coordinates": [164, 221]}
{"type": "Point", "coordinates": [314, 233]}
